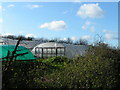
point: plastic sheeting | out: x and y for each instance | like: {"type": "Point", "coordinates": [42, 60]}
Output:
{"type": "Point", "coordinates": [70, 50]}
{"type": "Point", "coordinates": [22, 53]}
{"type": "Point", "coordinates": [73, 50]}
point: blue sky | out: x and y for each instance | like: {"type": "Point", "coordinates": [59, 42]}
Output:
{"type": "Point", "coordinates": [61, 20]}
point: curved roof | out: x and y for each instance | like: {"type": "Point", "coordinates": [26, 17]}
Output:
{"type": "Point", "coordinates": [50, 44]}
{"type": "Point", "coordinates": [1, 40]}
{"type": "Point", "coordinates": [70, 50]}
{"type": "Point", "coordinates": [25, 43]}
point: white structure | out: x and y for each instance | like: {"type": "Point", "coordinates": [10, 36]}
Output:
{"type": "Point", "coordinates": [2, 42]}
{"type": "Point", "coordinates": [50, 49]}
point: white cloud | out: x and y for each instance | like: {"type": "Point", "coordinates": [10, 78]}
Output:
{"type": "Point", "coordinates": [89, 25]}
{"type": "Point", "coordinates": [92, 29]}
{"type": "Point", "coordinates": [109, 36]}
{"type": "Point", "coordinates": [54, 25]}
{"type": "Point", "coordinates": [7, 34]}
{"type": "Point", "coordinates": [90, 10]}
{"type": "Point", "coordinates": [86, 25]}
{"type": "Point", "coordinates": [36, 6]}
{"type": "Point", "coordinates": [88, 22]}
{"type": "Point", "coordinates": [20, 32]}
{"type": "Point", "coordinates": [105, 31]}
{"type": "Point", "coordinates": [11, 5]}
{"type": "Point", "coordinates": [1, 20]}
{"type": "Point", "coordinates": [30, 35]}
{"type": "Point", "coordinates": [65, 12]}
{"type": "Point", "coordinates": [1, 8]}
{"type": "Point", "coordinates": [33, 6]}
{"type": "Point", "coordinates": [76, 1]}
{"type": "Point", "coordinates": [64, 39]}
{"type": "Point", "coordinates": [109, 31]}
{"type": "Point", "coordinates": [86, 37]}
{"type": "Point", "coordinates": [74, 38]}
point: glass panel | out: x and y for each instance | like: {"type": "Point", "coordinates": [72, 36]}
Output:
{"type": "Point", "coordinates": [36, 50]}
{"type": "Point", "coordinates": [44, 50]}
{"type": "Point", "coordinates": [40, 55]}
{"type": "Point", "coordinates": [58, 50]}
{"type": "Point", "coordinates": [62, 54]}
{"type": "Point", "coordinates": [53, 50]}
{"type": "Point", "coordinates": [53, 55]}
{"type": "Point", "coordinates": [49, 55]}
{"type": "Point", "coordinates": [44, 55]}
{"type": "Point", "coordinates": [49, 50]}
{"type": "Point", "coordinates": [62, 50]}
{"type": "Point", "coordinates": [40, 50]}
{"type": "Point", "coordinates": [58, 54]}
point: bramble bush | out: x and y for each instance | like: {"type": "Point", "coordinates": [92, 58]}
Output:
{"type": "Point", "coordinates": [99, 68]}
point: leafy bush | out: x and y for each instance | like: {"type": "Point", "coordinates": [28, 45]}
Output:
{"type": "Point", "coordinates": [95, 70]}
{"type": "Point", "coordinates": [83, 73]}
{"type": "Point", "coordinates": [99, 68]}
{"type": "Point", "coordinates": [58, 62]}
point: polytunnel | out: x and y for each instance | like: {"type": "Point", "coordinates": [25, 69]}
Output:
{"type": "Point", "coordinates": [2, 42]}
{"type": "Point", "coordinates": [51, 49]}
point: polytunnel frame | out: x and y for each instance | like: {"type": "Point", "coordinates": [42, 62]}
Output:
{"type": "Point", "coordinates": [51, 53]}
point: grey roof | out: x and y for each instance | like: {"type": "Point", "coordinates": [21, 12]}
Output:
{"type": "Point", "coordinates": [1, 40]}
{"type": "Point", "coordinates": [25, 43]}
{"type": "Point", "coordinates": [50, 44]}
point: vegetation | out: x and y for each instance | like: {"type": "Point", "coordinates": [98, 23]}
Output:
{"type": "Point", "coordinates": [67, 41]}
{"type": "Point", "coordinates": [17, 37]}
{"type": "Point", "coordinates": [99, 68]}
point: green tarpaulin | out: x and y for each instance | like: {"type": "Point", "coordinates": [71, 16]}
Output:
{"type": "Point", "coordinates": [22, 53]}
